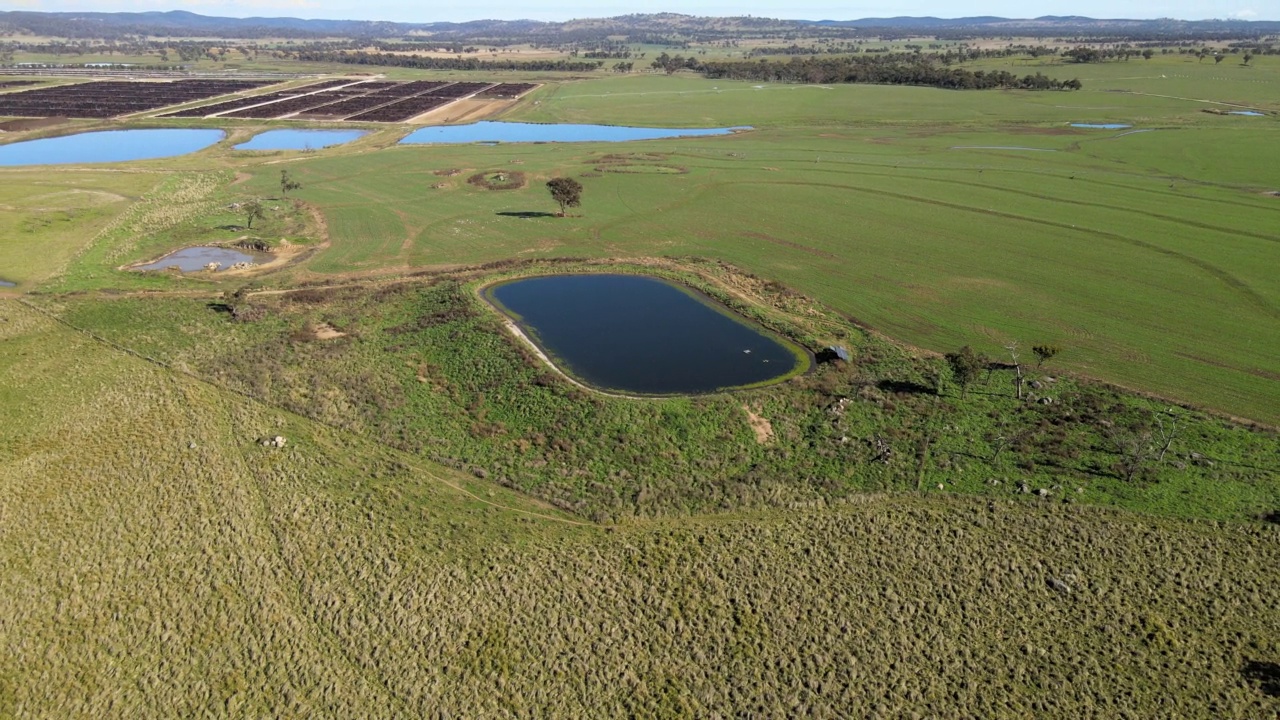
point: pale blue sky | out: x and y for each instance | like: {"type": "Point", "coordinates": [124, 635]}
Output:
{"type": "Point", "coordinates": [400, 10]}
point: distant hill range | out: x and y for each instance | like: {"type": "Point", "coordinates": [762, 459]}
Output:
{"type": "Point", "coordinates": [180, 23]}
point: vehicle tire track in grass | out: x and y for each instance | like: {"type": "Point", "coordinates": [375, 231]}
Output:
{"type": "Point", "coordinates": [290, 585]}
{"type": "Point", "coordinates": [1153, 175]}
{"type": "Point", "coordinates": [1231, 281]}
{"type": "Point", "coordinates": [1105, 206]}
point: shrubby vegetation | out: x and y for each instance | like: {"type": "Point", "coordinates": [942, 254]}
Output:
{"type": "Point", "coordinates": [427, 368]}
{"type": "Point", "coordinates": [168, 564]}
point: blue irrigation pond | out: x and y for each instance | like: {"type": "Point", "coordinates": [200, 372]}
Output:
{"type": "Point", "coordinates": [105, 146]}
{"type": "Point", "coordinates": [642, 335]}
{"type": "Point", "coordinates": [508, 132]}
{"type": "Point", "coordinates": [1101, 126]}
{"type": "Point", "coordinates": [196, 258]}
{"type": "Point", "coordinates": [299, 139]}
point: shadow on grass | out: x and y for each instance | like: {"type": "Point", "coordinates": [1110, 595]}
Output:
{"type": "Point", "coordinates": [1265, 674]}
{"type": "Point", "coordinates": [527, 214]}
{"type": "Point", "coordinates": [906, 386]}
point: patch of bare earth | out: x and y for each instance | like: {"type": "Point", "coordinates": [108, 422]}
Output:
{"type": "Point", "coordinates": [759, 425]}
{"type": "Point", "coordinates": [325, 331]}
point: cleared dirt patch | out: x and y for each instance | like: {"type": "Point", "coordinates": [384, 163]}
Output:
{"type": "Point", "coordinates": [459, 110]}
{"type": "Point", "coordinates": [760, 425]}
{"type": "Point", "coordinates": [325, 331]}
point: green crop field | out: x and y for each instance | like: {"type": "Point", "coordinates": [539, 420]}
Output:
{"type": "Point", "coordinates": [452, 529]}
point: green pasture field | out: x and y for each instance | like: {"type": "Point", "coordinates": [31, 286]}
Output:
{"type": "Point", "coordinates": [47, 216]}
{"type": "Point", "coordinates": [453, 529]}
{"type": "Point", "coordinates": [1146, 255]}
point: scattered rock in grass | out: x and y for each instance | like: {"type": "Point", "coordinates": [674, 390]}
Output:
{"type": "Point", "coordinates": [1059, 586]}
{"type": "Point", "coordinates": [191, 445]}
{"type": "Point", "coordinates": [1024, 488]}
{"type": "Point", "coordinates": [1042, 492]}
{"type": "Point", "coordinates": [941, 486]}
{"type": "Point", "coordinates": [213, 266]}
{"type": "Point", "coordinates": [276, 442]}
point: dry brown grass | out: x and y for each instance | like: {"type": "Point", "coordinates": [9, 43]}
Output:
{"type": "Point", "coordinates": [145, 576]}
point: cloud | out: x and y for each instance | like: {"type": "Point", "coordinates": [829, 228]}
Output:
{"type": "Point", "coordinates": [1246, 14]}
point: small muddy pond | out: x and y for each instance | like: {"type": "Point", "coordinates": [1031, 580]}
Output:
{"type": "Point", "coordinates": [299, 139]}
{"type": "Point", "coordinates": [1250, 113]}
{"type": "Point", "coordinates": [645, 336]}
{"type": "Point", "coordinates": [196, 258]}
{"type": "Point", "coordinates": [489, 133]}
{"type": "Point", "coordinates": [109, 146]}
{"type": "Point", "coordinates": [6, 283]}
{"type": "Point", "coordinates": [1101, 126]}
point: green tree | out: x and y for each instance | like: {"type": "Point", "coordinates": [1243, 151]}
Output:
{"type": "Point", "coordinates": [252, 210]}
{"type": "Point", "coordinates": [1045, 352]}
{"type": "Point", "coordinates": [966, 366]}
{"type": "Point", "coordinates": [1247, 57]}
{"type": "Point", "coordinates": [287, 183]}
{"type": "Point", "coordinates": [565, 191]}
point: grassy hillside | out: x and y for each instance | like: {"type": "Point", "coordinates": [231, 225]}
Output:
{"type": "Point", "coordinates": [425, 366]}
{"type": "Point", "coordinates": [451, 529]}
{"type": "Point", "coordinates": [161, 561]}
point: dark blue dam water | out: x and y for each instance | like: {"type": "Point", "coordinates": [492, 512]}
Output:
{"type": "Point", "coordinates": [299, 139]}
{"type": "Point", "coordinates": [508, 132]}
{"type": "Point", "coordinates": [642, 335]}
{"type": "Point", "coordinates": [109, 146]}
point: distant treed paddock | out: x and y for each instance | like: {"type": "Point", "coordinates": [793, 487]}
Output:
{"type": "Point", "coordinates": [887, 69]}
{"type": "Point", "coordinates": [890, 70]}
